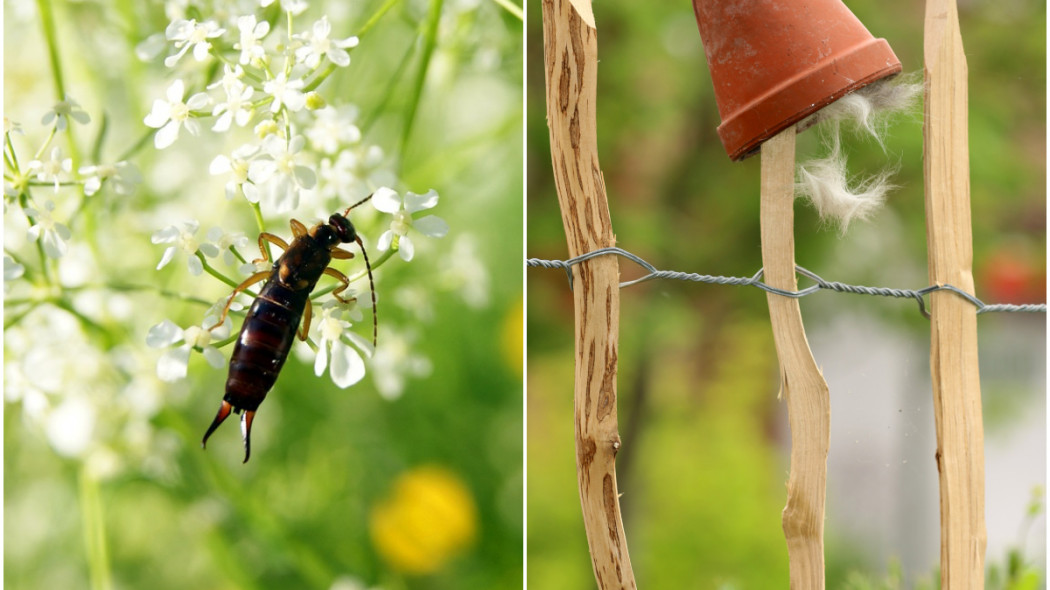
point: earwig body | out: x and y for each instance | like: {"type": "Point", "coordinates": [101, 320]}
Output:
{"type": "Point", "coordinates": [269, 327]}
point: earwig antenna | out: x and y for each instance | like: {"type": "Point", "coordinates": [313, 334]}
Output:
{"type": "Point", "coordinates": [372, 285]}
{"type": "Point", "coordinates": [361, 202]}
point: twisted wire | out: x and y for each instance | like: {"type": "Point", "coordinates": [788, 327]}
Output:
{"type": "Point", "coordinates": [756, 281]}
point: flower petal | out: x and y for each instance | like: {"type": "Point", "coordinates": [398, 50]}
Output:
{"type": "Point", "coordinates": [221, 164]}
{"type": "Point", "coordinates": [169, 253]}
{"type": "Point", "coordinates": [347, 365]}
{"type": "Point", "coordinates": [431, 226]}
{"type": "Point", "coordinates": [167, 135]}
{"type": "Point", "coordinates": [214, 357]}
{"type": "Point", "coordinates": [414, 202]}
{"type": "Point", "coordinates": [321, 361]}
{"type": "Point", "coordinates": [163, 334]}
{"type": "Point", "coordinates": [172, 365]}
{"type": "Point", "coordinates": [384, 240]}
{"type": "Point", "coordinates": [386, 200]}
{"type": "Point", "coordinates": [405, 249]}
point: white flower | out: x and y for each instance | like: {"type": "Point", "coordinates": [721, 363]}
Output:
{"type": "Point", "coordinates": [186, 34]}
{"type": "Point", "coordinates": [394, 362]}
{"type": "Point", "coordinates": [122, 176]}
{"type": "Point", "coordinates": [172, 364]}
{"type": "Point", "coordinates": [12, 271]}
{"type": "Point", "coordinates": [388, 201]}
{"type": "Point", "coordinates": [280, 176]}
{"type": "Point", "coordinates": [169, 115]}
{"type": "Point", "coordinates": [12, 127]}
{"type": "Point", "coordinates": [251, 35]}
{"type": "Point", "coordinates": [333, 127]}
{"type": "Point", "coordinates": [347, 365]}
{"type": "Point", "coordinates": [355, 172]}
{"type": "Point", "coordinates": [70, 426]}
{"type": "Point", "coordinates": [224, 241]}
{"type": "Point", "coordinates": [237, 165]}
{"type": "Point", "coordinates": [52, 169]}
{"type": "Point", "coordinates": [316, 45]}
{"type": "Point", "coordinates": [183, 238]}
{"type": "Point", "coordinates": [150, 47]}
{"type": "Point", "coordinates": [295, 7]}
{"type": "Point", "coordinates": [62, 111]}
{"type": "Point", "coordinates": [52, 234]}
{"type": "Point", "coordinates": [466, 272]}
{"type": "Point", "coordinates": [230, 75]}
{"type": "Point", "coordinates": [285, 92]}
{"type": "Point", "coordinates": [238, 106]}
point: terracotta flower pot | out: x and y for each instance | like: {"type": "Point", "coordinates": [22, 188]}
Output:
{"type": "Point", "coordinates": [775, 62]}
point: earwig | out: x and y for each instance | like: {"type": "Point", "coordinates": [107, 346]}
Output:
{"type": "Point", "coordinates": [269, 328]}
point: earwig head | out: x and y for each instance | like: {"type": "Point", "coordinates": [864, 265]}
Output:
{"type": "Point", "coordinates": [342, 228]}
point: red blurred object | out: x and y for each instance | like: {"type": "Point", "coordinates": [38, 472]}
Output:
{"type": "Point", "coordinates": [1010, 276]}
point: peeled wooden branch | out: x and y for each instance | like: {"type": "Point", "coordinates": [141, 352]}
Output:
{"type": "Point", "coordinates": [801, 382]}
{"type": "Point", "coordinates": [571, 59]}
{"type": "Point", "coordinates": [953, 321]}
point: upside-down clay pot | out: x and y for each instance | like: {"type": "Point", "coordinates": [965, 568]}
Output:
{"type": "Point", "coordinates": [775, 62]}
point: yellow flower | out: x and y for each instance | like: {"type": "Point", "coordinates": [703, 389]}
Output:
{"type": "Point", "coordinates": [428, 518]}
{"type": "Point", "coordinates": [514, 337]}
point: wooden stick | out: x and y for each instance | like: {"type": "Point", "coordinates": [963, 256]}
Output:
{"type": "Point", "coordinates": [801, 382]}
{"type": "Point", "coordinates": [953, 336]}
{"type": "Point", "coordinates": [571, 59]}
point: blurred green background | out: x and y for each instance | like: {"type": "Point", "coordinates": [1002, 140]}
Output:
{"type": "Point", "coordinates": [138, 504]}
{"type": "Point", "coordinates": [705, 441]}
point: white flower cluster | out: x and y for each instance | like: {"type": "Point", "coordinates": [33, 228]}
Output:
{"type": "Point", "coordinates": [268, 83]}
{"type": "Point", "coordinates": [56, 172]}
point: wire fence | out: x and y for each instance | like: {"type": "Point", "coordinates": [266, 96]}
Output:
{"type": "Point", "coordinates": [756, 281]}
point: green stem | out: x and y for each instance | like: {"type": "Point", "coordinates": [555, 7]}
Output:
{"type": "Point", "coordinates": [512, 8]}
{"type": "Point", "coordinates": [138, 145]}
{"type": "Point", "coordinates": [47, 19]}
{"type": "Point", "coordinates": [375, 17]}
{"type": "Point", "coordinates": [45, 268]}
{"type": "Point", "coordinates": [13, 320]}
{"type": "Point", "coordinates": [319, 79]}
{"type": "Point", "coordinates": [211, 270]}
{"type": "Point", "coordinates": [10, 156]}
{"type": "Point", "coordinates": [388, 92]}
{"type": "Point", "coordinates": [430, 42]}
{"type": "Point", "coordinates": [94, 531]}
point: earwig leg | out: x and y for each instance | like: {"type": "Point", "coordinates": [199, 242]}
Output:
{"type": "Point", "coordinates": [224, 411]}
{"type": "Point", "coordinates": [337, 292]}
{"type": "Point", "coordinates": [298, 229]}
{"type": "Point", "coordinates": [308, 313]}
{"type": "Point", "coordinates": [255, 278]}
{"type": "Point", "coordinates": [340, 254]}
{"type": "Point", "coordinates": [268, 237]}
{"type": "Point", "coordinates": [246, 431]}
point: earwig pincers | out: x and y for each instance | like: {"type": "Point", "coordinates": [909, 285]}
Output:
{"type": "Point", "coordinates": [270, 326]}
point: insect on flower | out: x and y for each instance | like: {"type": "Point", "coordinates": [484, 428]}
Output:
{"type": "Point", "coordinates": [269, 328]}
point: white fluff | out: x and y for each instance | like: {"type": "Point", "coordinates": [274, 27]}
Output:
{"type": "Point", "coordinates": [824, 181]}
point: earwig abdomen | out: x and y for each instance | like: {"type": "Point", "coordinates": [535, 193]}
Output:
{"type": "Point", "coordinates": [263, 346]}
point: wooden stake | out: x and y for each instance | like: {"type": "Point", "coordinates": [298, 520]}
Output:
{"type": "Point", "coordinates": [801, 382]}
{"type": "Point", "coordinates": [953, 336]}
{"type": "Point", "coordinates": [570, 50]}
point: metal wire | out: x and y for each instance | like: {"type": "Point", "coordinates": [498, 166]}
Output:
{"type": "Point", "coordinates": [755, 281]}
